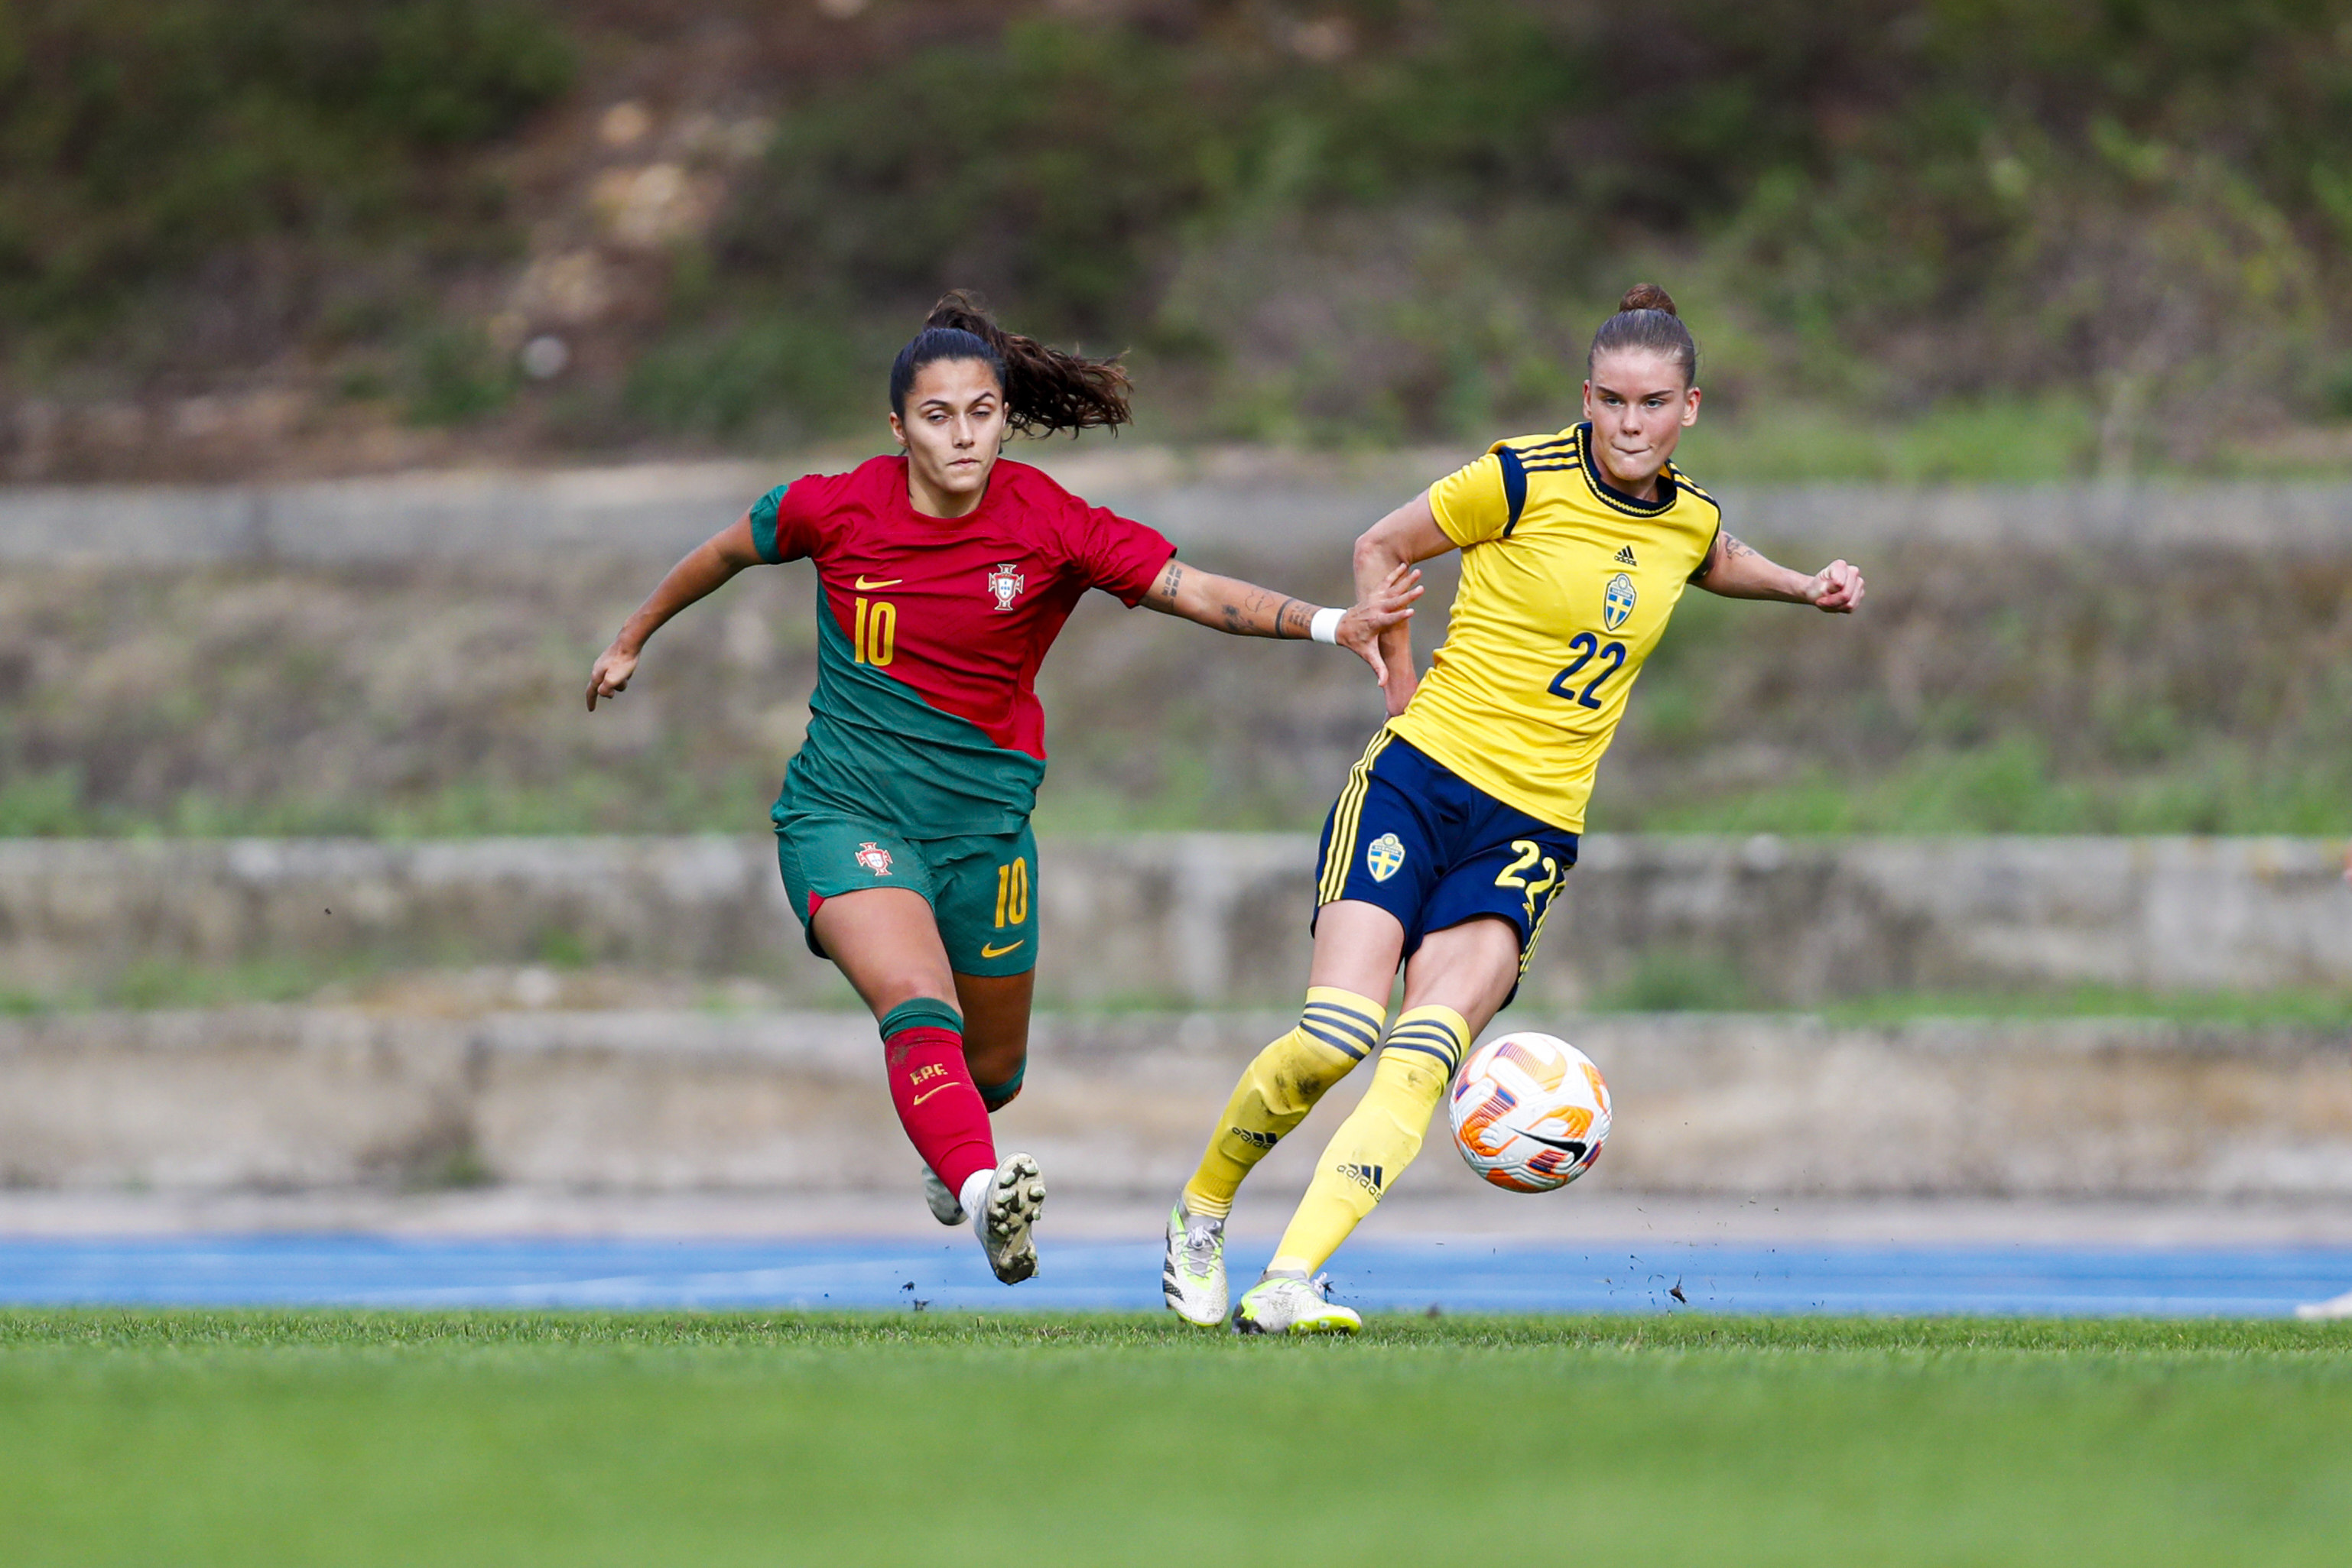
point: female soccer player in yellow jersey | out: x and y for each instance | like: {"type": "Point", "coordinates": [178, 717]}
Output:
{"type": "Point", "coordinates": [1459, 824]}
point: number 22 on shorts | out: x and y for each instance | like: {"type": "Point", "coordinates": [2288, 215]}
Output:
{"type": "Point", "coordinates": [1515, 873]}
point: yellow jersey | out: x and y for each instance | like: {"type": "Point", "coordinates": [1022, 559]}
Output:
{"type": "Point", "coordinates": [1567, 584]}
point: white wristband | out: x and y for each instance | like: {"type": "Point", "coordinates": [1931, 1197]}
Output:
{"type": "Point", "coordinates": [1325, 627]}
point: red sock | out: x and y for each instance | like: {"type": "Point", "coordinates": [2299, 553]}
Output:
{"type": "Point", "coordinates": [937, 1103]}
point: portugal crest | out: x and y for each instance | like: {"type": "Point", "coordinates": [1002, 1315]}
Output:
{"type": "Point", "coordinates": [1617, 601]}
{"type": "Point", "coordinates": [1384, 856]}
{"type": "Point", "coordinates": [1005, 584]}
{"type": "Point", "coordinates": [874, 858]}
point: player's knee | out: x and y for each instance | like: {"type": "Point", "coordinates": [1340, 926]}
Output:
{"type": "Point", "coordinates": [1412, 1075]}
{"type": "Point", "coordinates": [997, 1095]}
{"type": "Point", "coordinates": [1291, 1080]}
{"type": "Point", "coordinates": [901, 993]}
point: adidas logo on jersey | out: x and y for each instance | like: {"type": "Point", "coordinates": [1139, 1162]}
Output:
{"type": "Point", "coordinates": [1366, 1177]}
{"type": "Point", "coordinates": [1626, 556]}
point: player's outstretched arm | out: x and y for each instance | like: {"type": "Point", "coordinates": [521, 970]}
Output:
{"type": "Point", "coordinates": [707, 564]}
{"type": "Point", "coordinates": [1736, 571]}
{"type": "Point", "coordinates": [1246, 609]}
{"type": "Point", "coordinates": [1405, 536]}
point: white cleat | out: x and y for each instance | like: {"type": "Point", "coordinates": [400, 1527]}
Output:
{"type": "Point", "coordinates": [1286, 1303]}
{"type": "Point", "coordinates": [1007, 1212]}
{"type": "Point", "coordinates": [1193, 1279]}
{"type": "Point", "coordinates": [945, 1207]}
{"type": "Point", "coordinates": [2319, 1312]}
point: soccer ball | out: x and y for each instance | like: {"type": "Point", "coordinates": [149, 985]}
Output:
{"type": "Point", "coordinates": [1529, 1111]}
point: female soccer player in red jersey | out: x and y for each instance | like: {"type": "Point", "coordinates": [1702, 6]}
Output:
{"type": "Point", "coordinates": [902, 829]}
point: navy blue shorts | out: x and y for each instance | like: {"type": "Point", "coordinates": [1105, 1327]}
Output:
{"type": "Point", "coordinates": [1414, 837]}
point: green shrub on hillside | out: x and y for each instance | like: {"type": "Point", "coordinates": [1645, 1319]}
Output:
{"type": "Point", "coordinates": [1362, 221]}
{"type": "Point", "coordinates": [1407, 224]}
{"type": "Point", "coordinates": [261, 149]}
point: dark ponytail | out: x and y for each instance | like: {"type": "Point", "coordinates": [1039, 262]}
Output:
{"type": "Point", "coordinates": [1045, 390]}
{"type": "Point", "coordinates": [1646, 320]}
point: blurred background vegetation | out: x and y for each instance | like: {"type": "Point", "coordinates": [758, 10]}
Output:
{"type": "Point", "coordinates": [1919, 240]}
{"type": "Point", "coordinates": [2006, 689]}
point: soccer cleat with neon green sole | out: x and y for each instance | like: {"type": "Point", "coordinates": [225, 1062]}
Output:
{"type": "Point", "coordinates": [1291, 1304]}
{"type": "Point", "coordinates": [1193, 1277]}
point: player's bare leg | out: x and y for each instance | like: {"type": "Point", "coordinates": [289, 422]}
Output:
{"type": "Point", "coordinates": [1455, 984]}
{"type": "Point", "coordinates": [886, 942]}
{"type": "Point", "coordinates": [996, 1031]}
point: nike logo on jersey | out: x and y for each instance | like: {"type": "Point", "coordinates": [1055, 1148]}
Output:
{"type": "Point", "coordinates": [989, 950]}
{"type": "Point", "coordinates": [1626, 556]}
{"type": "Point", "coordinates": [878, 583]}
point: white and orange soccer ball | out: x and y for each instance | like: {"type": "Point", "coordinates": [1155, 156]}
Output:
{"type": "Point", "coordinates": [1529, 1111]}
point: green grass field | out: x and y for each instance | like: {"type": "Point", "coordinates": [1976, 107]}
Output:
{"type": "Point", "coordinates": [328, 1437]}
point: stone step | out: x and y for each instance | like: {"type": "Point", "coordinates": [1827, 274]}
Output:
{"type": "Point", "coordinates": [1218, 920]}
{"type": "Point", "coordinates": [290, 1098]}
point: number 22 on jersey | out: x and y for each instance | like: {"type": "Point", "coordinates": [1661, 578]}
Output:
{"type": "Point", "coordinates": [1587, 647]}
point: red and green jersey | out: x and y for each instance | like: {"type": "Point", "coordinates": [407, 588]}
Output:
{"type": "Point", "coordinates": [930, 633]}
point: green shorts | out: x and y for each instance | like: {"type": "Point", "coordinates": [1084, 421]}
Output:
{"type": "Point", "coordinates": [983, 888]}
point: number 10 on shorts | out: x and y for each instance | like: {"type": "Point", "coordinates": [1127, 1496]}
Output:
{"type": "Point", "coordinates": [1012, 892]}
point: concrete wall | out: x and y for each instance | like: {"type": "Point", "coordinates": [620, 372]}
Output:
{"type": "Point", "coordinates": [1217, 920]}
{"type": "Point", "coordinates": [1262, 500]}
{"type": "Point", "coordinates": [301, 1098]}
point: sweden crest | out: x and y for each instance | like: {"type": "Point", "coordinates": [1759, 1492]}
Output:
{"type": "Point", "coordinates": [1384, 856]}
{"type": "Point", "coordinates": [1617, 601]}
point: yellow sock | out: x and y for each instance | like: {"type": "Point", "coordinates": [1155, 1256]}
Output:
{"type": "Point", "coordinates": [1379, 1138]}
{"type": "Point", "coordinates": [1336, 1031]}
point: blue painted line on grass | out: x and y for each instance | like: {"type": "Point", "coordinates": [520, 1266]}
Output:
{"type": "Point", "coordinates": [1463, 1275]}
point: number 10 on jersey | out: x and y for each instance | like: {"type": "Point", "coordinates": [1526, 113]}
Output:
{"type": "Point", "coordinates": [876, 640]}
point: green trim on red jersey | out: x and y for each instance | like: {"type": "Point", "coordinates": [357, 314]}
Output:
{"type": "Point", "coordinates": [763, 525]}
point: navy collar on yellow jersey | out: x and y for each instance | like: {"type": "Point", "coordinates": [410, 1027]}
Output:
{"type": "Point", "coordinates": [1572, 448]}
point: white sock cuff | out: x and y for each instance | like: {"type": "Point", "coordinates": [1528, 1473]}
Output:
{"type": "Point", "coordinates": [975, 1189]}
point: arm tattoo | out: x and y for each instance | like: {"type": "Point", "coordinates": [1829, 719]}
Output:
{"type": "Point", "coordinates": [1720, 555]}
{"type": "Point", "coordinates": [1244, 613]}
{"type": "Point", "coordinates": [1278, 615]}
{"type": "Point", "coordinates": [1168, 580]}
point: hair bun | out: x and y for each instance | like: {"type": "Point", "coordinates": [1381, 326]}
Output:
{"type": "Point", "coordinates": [1647, 296]}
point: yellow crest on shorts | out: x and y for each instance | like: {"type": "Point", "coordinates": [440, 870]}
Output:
{"type": "Point", "coordinates": [1383, 857]}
